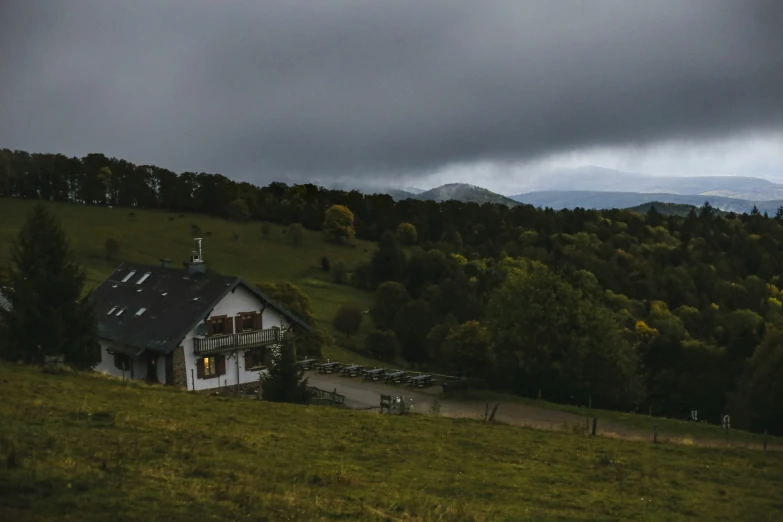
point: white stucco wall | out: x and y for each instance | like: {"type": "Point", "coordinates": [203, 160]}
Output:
{"type": "Point", "coordinates": [241, 300]}
{"type": "Point", "coordinates": [139, 364]}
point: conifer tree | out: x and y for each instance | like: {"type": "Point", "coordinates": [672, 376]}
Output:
{"type": "Point", "coordinates": [48, 314]}
{"type": "Point", "coordinates": [285, 382]}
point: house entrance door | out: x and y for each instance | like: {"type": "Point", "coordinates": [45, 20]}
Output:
{"type": "Point", "coordinates": [152, 367]}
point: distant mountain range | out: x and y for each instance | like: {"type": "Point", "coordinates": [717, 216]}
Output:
{"type": "Point", "coordinates": [598, 179]}
{"type": "Point", "coordinates": [560, 199]}
{"type": "Point", "coordinates": [599, 188]}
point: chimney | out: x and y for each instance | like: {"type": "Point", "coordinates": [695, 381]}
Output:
{"type": "Point", "coordinates": [196, 265]}
{"type": "Point", "coordinates": [165, 262]}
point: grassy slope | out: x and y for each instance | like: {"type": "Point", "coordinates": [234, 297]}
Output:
{"type": "Point", "coordinates": [89, 448]}
{"type": "Point", "coordinates": [151, 236]}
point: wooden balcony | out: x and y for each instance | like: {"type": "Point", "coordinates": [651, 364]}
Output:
{"type": "Point", "coordinates": [231, 342]}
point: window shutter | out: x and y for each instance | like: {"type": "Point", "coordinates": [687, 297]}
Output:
{"type": "Point", "coordinates": [221, 364]}
{"type": "Point", "coordinates": [200, 368]}
{"type": "Point", "coordinates": [238, 323]}
{"type": "Point", "coordinates": [257, 325]}
{"type": "Point", "coordinates": [210, 330]}
{"type": "Point", "coordinates": [248, 360]}
{"type": "Point", "coordinates": [229, 322]}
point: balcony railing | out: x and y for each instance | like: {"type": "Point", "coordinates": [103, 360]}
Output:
{"type": "Point", "coordinates": [230, 342]}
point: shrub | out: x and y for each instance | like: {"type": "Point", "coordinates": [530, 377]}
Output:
{"type": "Point", "coordinates": [325, 264]}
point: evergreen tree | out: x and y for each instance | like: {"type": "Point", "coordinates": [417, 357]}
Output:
{"type": "Point", "coordinates": [285, 382]}
{"type": "Point", "coordinates": [48, 315]}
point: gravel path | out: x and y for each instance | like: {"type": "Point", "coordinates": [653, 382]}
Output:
{"type": "Point", "coordinates": [365, 395]}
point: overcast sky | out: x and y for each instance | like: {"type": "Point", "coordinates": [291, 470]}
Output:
{"type": "Point", "coordinates": [398, 92]}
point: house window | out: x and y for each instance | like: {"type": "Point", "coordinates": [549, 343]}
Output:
{"type": "Point", "coordinates": [219, 325]}
{"type": "Point", "coordinates": [247, 321]}
{"type": "Point", "coordinates": [257, 357]}
{"type": "Point", "coordinates": [211, 367]}
{"type": "Point", "coordinates": [122, 361]}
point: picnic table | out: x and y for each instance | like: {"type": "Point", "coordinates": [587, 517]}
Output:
{"type": "Point", "coordinates": [374, 374]}
{"type": "Point", "coordinates": [307, 364]}
{"type": "Point", "coordinates": [420, 380]}
{"type": "Point", "coordinates": [328, 367]}
{"type": "Point", "coordinates": [352, 370]}
{"type": "Point", "coordinates": [395, 377]}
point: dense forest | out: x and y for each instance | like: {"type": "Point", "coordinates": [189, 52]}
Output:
{"type": "Point", "coordinates": [623, 310]}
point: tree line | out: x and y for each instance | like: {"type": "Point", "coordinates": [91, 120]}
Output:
{"type": "Point", "coordinates": [668, 313]}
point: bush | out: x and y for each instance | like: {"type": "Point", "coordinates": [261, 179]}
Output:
{"type": "Point", "coordinates": [325, 264]}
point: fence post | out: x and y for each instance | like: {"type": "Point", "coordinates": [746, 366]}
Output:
{"type": "Point", "coordinates": [595, 421]}
{"type": "Point", "coordinates": [655, 434]}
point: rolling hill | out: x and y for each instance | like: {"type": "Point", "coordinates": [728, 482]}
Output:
{"type": "Point", "coordinates": [465, 193]}
{"type": "Point", "coordinates": [669, 209]}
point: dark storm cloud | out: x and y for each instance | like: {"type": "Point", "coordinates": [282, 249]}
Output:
{"type": "Point", "coordinates": [267, 89]}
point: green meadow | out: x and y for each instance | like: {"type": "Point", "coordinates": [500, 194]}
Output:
{"type": "Point", "coordinates": [150, 235]}
{"type": "Point", "coordinates": [83, 447]}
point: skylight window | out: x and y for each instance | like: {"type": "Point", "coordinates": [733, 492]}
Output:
{"type": "Point", "coordinates": [112, 310]}
{"type": "Point", "coordinates": [143, 278]}
{"type": "Point", "coordinates": [120, 312]}
{"type": "Point", "coordinates": [127, 277]}
{"type": "Point", "coordinates": [164, 294]}
{"type": "Point", "coordinates": [141, 311]}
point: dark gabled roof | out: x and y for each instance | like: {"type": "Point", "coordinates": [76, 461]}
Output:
{"type": "Point", "coordinates": [5, 304]}
{"type": "Point", "coordinates": [173, 302]}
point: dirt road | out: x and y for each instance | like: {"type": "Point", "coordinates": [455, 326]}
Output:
{"type": "Point", "coordinates": [365, 395]}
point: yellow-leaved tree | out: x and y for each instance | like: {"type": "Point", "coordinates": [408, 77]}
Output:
{"type": "Point", "coordinates": [338, 224]}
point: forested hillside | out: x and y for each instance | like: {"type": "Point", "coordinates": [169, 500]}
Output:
{"type": "Point", "coordinates": [661, 313]}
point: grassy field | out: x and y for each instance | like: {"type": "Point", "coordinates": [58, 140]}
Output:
{"type": "Point", "coordinates": [78, 447]}
{"type": "Point", "coordinates": [151, 235]}
{"type": "Point", "coordinates": [637, 423]}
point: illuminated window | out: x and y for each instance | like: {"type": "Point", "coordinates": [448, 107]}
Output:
{"type": "Point", "coordinates": [210, 366]}
{"type": "Point", "coordinates": [127, 277]}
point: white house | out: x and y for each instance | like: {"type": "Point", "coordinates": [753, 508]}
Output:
{"type": "Point", "coordinates": [187, 328]}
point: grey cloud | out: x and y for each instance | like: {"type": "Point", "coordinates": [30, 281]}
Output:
{"type": "Point", "coordinates": [265, 90]}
